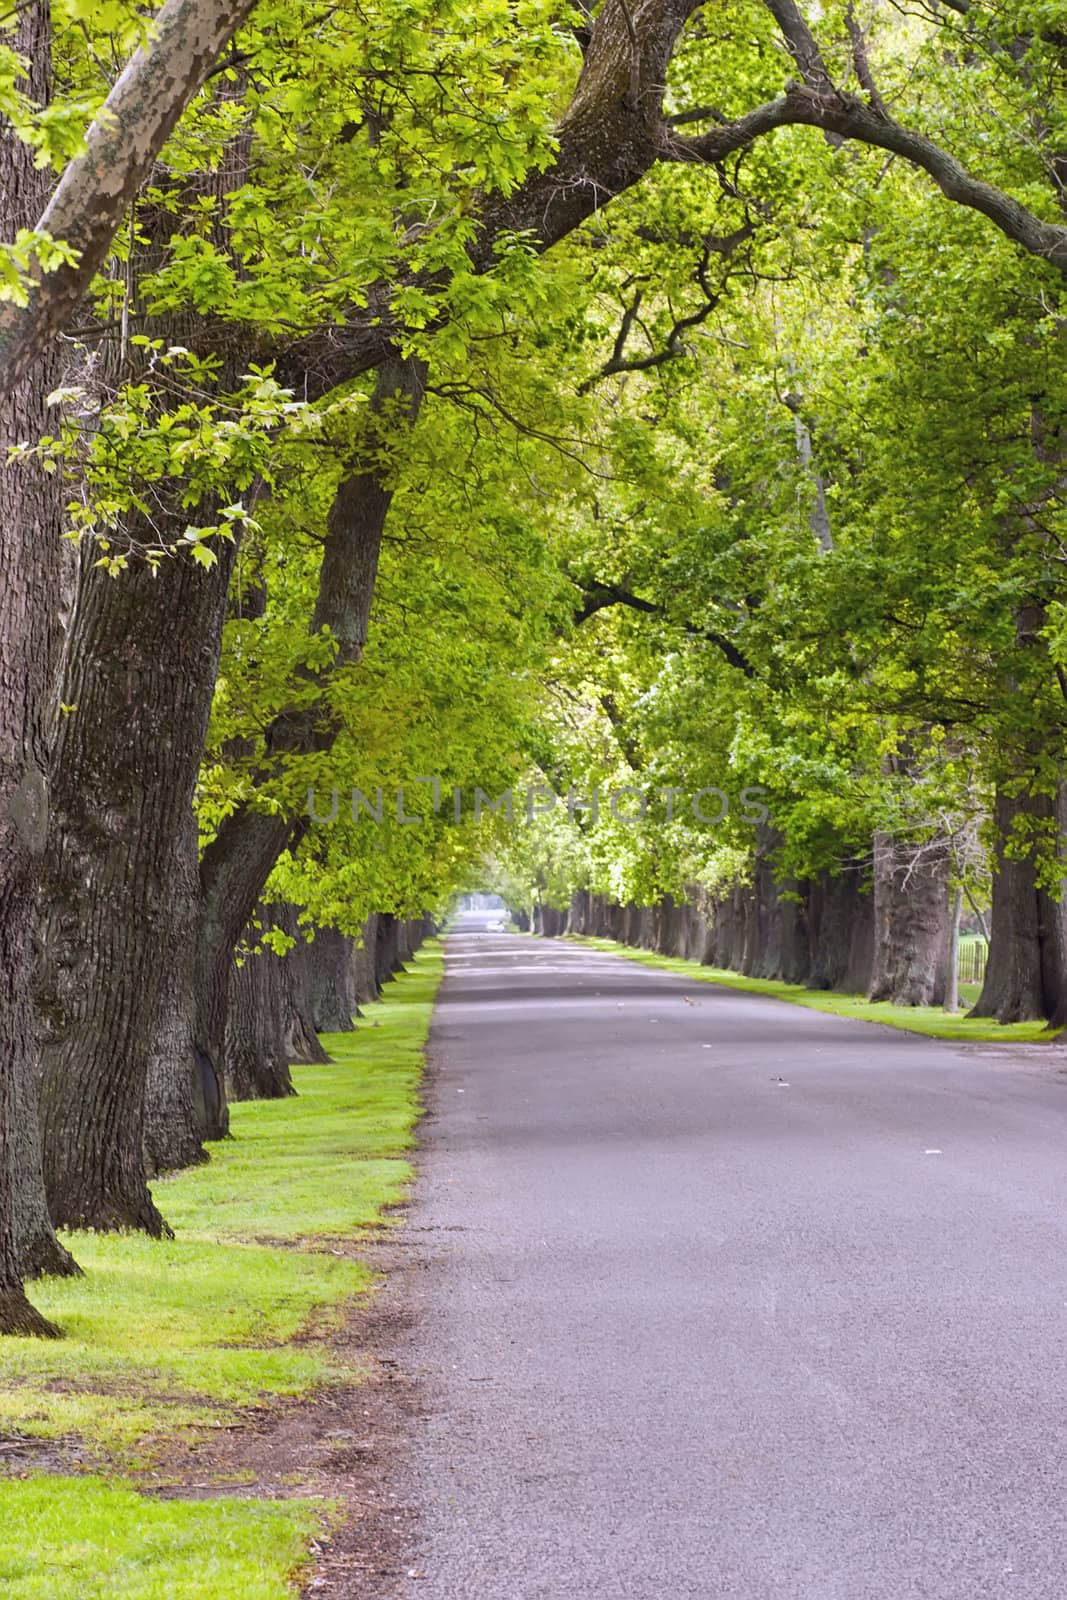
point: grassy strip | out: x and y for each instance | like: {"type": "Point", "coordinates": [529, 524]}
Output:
{"type": "Point", "coordinates": [167, 1337]}
{"type": "Point", "coordinates": [929, 1020]}
{"type": "Point", "coordinates": [82, 1539]}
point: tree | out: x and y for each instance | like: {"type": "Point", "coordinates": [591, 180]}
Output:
{"type": "Point", "coordinates": [57, 260]}
{"type": "Point", "coordinates": [373, 296]}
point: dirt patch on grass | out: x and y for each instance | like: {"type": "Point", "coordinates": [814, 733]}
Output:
{"type": "Point", "coordinates": [344, 1445]}
{"type": "Point", "coordinates": [21, 1453]}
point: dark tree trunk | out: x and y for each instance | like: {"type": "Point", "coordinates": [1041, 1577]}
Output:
{"type": "Point", "coordinates": [332, 976]}
{"type": "Point", "coordinates": [579, 915]}
{"type": "Point", "coordinates": [183, 1098]}
{"type": "Point", "coordinates": [367, 987]}
{"type": "Point", "coordinates": [257, 1067]}
{"type": "Point", "coordinates": [386, 948]}
{"type": "Point", "coordinates": [951, 1001]}
{"type": "Point", "coordinates": [860, 960]}
{"type": "Point", "coordinates": [300, 1040]}
{"type": "Point", "coordinates": [141, 663]}
{"type": "Point", "coordinates": [403, 944]}
{"type": "Point", "coordinates": [729, 929]}
{"type": "Point", "coordinates": [548, 922]}
{"type": "Point", "coordinates": [39, 1252]}
{"type": "Point", "coordinates": [911, 920]}
{"type": "Point", "coordinates": [1026, 974]}
{"type": "Point", "coordinates": [30, 565]}
{"type": "Point", "coordinates": [233, 875]}
{"type": "Point", "coordinates": [140, 667]}
{"type": "Point", "coordinates": [839, 919]}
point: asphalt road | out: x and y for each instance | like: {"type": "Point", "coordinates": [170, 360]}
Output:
{"type": "Point", "coordinates": [723, 1297]}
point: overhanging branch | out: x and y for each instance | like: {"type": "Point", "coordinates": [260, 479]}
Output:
{"type": "Point", "coordinates": [599, 596]}
{"type": "Point", "coordinates": [92, 195]}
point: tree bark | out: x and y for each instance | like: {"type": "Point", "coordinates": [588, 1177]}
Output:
{"type": "Point", "coordinates": [952, 961]}
{"type": "Point", "coordinates": [140, 668]}
{"type": "Point", "coordinates": [241, 857]}
{"type": "Point", "coordinates": [141, 663]}
{"type": "Point", "coordinates": [183, 1099]}
{"type": "Point", "coordinates": [839, 922]}
{"type": "Point", "coordinates": [301, 1042]}
{"type": "Point", "coordinates": [1026, 974]}
{"type": "Point", "coordinates": [30, 523]}
{"type": "Point", "coordinates": [911, 921]}
{"type": "Point", "coordinates": [387, 961]}
{"type": "Point", "coordinates": [333, 981]}
{"type": "Point", "coordinates": [367, 987]}
{"type": "Point", "coordinates": [257, 1065]}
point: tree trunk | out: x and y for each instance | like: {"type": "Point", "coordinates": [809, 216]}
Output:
{"type": "Point", "coordinates": [333, 981]}
{"type": "Point", "coordinates": [183, 1099]}
{"type": "Point", "coordinates": [777, 951]}
{"type": "Point", "coordinates": [141, 663]}
{"type": "Point", "coordinates": [30, 522]}
{"type": "Point", "coordinates": [839, 920]}
{"type": "Point", "coordinates": [911, 921]}
{"type": "Point", "coordinates": [301, 1042]}
{"type": "Point", "coordinates": [140, 668]}
{"type": "Point", "coordinates": [241, 857]}
{"type": "Point", "coordinates": [404, 948]}
{"type": "Point", "coordinates": [1026, 974]}
{"type": "Point", "coordinates": [257, 1067]}
{"type": "Point", "coordinates": [367, 987]}
{"type": "Point", "coordinates": [386, 948]}
{"type": "Point", "coordinates": [40, 1253]}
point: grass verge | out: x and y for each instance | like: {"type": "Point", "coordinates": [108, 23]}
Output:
{"type": "Point", "coordinates": [164, 1338]}
{"type": "Point", "coordinates": [929, 1020]}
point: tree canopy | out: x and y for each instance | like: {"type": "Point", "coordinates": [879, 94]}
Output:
{"type": "Point", "coordinates": [420, 403]}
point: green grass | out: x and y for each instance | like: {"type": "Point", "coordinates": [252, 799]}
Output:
{"type": "Point", "coordinates": [166, 1337]}
{"type": "Point", "coordinates": [930, 1020]}
{"type": "Point", "coordinates": [78, 1539]}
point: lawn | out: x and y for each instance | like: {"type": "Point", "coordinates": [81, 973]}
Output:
{"type": "Point", "coordinates": [166, 1337]}
{"type": "Point", "coordinates": [930, 1020]}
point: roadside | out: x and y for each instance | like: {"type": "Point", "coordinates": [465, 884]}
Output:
{"type": "Point", "coordinates": [204, 1420]}
{"type": "Point", "coordinates": [930, 1021]}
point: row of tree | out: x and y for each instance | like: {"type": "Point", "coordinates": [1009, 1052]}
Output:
{"type": "Point", "coordinates": [465, 392]}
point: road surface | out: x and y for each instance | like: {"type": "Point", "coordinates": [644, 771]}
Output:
{"type": "Point", "coordinates": [724, 1297]}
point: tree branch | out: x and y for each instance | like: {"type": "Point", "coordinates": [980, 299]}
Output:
{"type": "Point", "coordinates": [618, 361]}
{"type": "Point", "coordinates": [801, 44]}
{"type": "Point", "coordinates": [852, 118]}
{"type": "Point", "coordinates": [92, 195]}
{"type": "Point", "coordinates": [599, 596]}
{"type": "Point", "coordinates": [860, 60]}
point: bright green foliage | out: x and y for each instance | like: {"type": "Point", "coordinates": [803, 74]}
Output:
{"type": "Point", "coordinates": [820, 473]}
{"type": "Point", "coordinates": [836, 499]}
